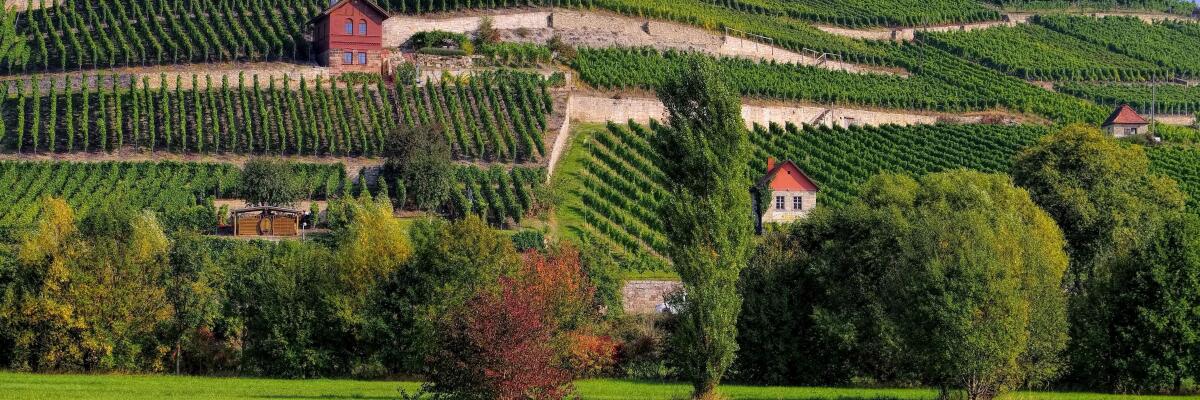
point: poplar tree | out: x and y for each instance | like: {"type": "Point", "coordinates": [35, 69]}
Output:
{"type": "Point", "coordinates": [706, 217]}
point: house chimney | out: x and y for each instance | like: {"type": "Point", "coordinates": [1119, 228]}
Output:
{"type": "Point", "coordinates": [770, 163]}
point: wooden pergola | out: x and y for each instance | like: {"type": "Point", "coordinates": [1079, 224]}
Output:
{"type": "Point", "coordinates": [266, 221]}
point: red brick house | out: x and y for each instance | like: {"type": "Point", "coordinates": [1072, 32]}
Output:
{"type": "Point", "coordinates": [348, 36]}
{"type": "Point", "coordinates": [792, 193]}
{"type": "Point", "coordinates": [1124, 122]}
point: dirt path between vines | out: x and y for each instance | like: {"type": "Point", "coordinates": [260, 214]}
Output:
{"type": "Point", "coordinates": [1010, 19]}
{"type": "Point", "coordinates": [353, 164]}
{"type": "Point", "coordinates": [170, 75]}
{"type": "Point", "coordinates": [23, 5]}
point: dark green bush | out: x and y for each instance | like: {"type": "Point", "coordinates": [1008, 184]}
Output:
{"type": "Point", "coordinates": [435, 51]}
{"type": "Point", "coordinates": [359, 78]}
{"type": "Point", "coordinates": [529, 240]}
{"type": "Point", "coordinates": [435, 38]}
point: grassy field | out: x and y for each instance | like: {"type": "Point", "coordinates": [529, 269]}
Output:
{"type": "Point", "coordinates": [20, 386]}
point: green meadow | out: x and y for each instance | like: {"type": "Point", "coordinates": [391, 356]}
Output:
{"type": "Point", "coordinates": [22, 386]}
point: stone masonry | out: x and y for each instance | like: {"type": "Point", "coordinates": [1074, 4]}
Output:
{"type": "Point", "coordinates": [645, 297]}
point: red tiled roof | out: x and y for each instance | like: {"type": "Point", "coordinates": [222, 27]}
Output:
{"type": "Point", "coordinates": [802, 182]}
{"type": "Point", "coordinates": [1124, 115]}
{"type": "Point", "coordinates": [369, 3]}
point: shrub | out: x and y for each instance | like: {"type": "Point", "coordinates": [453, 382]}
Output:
{"type": "Point", "coordinates": [499, 347]}
{"type": "Point", "coordinates": [441, 39]}
{"type": "Point", "coordinates": [565, 52]}
{"type": "Point", "coordinates": [642, 353]}
{"type": "Point", "coordinates": [405, 73]}
{"type": "Point", "coordinates": [529, 240]}
{"type": "Point", "coordinates": [270, 182]}
{"type": "Point", "coordinates": [590, 356]}
{"type": "Point", "coordinates": [487, 33]}
{"type": "Point", "coordinates": [360, 78]}
{"type": "Point", "coordinates": [434, 51]}
{"type": "Point", "coordinates": [420, 156]}
{"type": "Point", "coordinates": [522, 340]}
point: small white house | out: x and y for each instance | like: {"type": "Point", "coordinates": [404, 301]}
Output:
{"type": "Point", "coordinates": [1125, 122]}
{"type": "Point", "coordinates": [793, 194]}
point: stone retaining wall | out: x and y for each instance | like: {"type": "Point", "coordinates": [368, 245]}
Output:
{"type": "Point", "coordinates": [399, 28]}
{"type": "Point", "coordinates": [599, 29]}
{"type": "Point", "coordinates": [600, 109]}
{"type": "Point", "coordinates": [646, 297]}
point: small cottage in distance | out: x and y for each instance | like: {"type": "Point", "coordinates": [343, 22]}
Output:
{"type": "Point", "coordinates": [792, 194]}
{"type": "Point", "coordinates": [1125, 122]}
{"type": "Point", "coordinates": [348, 36]}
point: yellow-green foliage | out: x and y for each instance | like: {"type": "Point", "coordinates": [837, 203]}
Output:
{"type": "Point", "coordinates": [83, 301]}
{"type": "Point", "coordinates": [373, 244]}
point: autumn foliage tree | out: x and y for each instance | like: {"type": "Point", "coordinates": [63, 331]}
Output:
{"type": "Point", "coordinates": [517, 341]}
{"type": "Point", "coordinates": [87, 296]}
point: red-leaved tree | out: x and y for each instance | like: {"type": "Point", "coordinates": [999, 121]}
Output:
{"type": "Point", "coordinates": [506, 343]}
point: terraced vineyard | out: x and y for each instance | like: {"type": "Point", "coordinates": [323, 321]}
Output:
{"type": "Point", "coordinates": [1183, 164]}
{"type": "Point", "coordinates": [501, 197]}
{"type": "Point", "coordinates": [648, 69]}
{"type": "Point", "coordinates": [941, 82]}
{"type": "Point", "coordinates": [496, 117]}
{"type": "Point", "coordinates": [852, 13]}
{"type": "Point", "coordinates": [1160, 44]}
{"type": "Point", "coordinates": [179, 190]}
{"type": "Point", "coordinates": [995, 88]}
{"type": "Point", "coordinates": [1155, 5]}
{"type": "Point", "coordinates": [1035, 52]}
{"type": "Point", "coordinates": [1171, 99]}
{"type": "Point", "coordinates": [865, 13]}
{"type": "Point", "coordinates": [89, 34]}
{"type": "Point", "coordinates": [616, 185]}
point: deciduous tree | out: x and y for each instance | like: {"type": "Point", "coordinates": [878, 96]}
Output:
{"type": "Point", "coordinates": [270, 182]}
{"type": "Point", "coordinates": [421, 158]}
{"type": "Point", "coordinates": [954, 278]}
{"type": "Point", "coordinates": [1109, 205]}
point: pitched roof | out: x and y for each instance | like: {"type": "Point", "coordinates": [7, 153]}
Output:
{"type": "Point", "coordinates": [1125, 115]}
{"type": "Point", "coordinates": [770, 176]}
{"type": "Point", "coordinates": [340, 3]}
{"type": "Point", "coordinates": [265, 208]}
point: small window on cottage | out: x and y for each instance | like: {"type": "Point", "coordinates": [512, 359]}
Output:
{"type": "Point", "coordinates": [362, 58]}
{"type": "Point", "coordinates": [779, 202]}
{"type": "Point", "coordinates": [349, 27]}
{"type": "Point", "coordinates": [798, 203]}
{"type": "Point", "coordinates": [348, 58]}
{"type": "Point", "coordinates": [362, 27]}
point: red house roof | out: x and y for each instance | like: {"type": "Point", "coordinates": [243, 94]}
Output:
{"type": "Point", "coordinates": [1124, 115]}
{"type": "Point", "coordinates": [368, 3]}
{"type": "Point", "coordinates": [787, 176]}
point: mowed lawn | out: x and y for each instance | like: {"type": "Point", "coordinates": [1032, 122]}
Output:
{"type": "Point", "coordinates": [20, 386]}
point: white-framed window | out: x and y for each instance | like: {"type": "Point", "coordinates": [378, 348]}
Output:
{"type": "Point", "coordinates": [362, 58]}
{"type": "Point", "coordinates": [362, 27]}
{"type": "Point", "coordinates": [1130, 131]}
{"type": "Point", "coordinates": [349, 27]}
{"type": "Point", "coordinates": [779, 202]}
{"type": "Point", "coordinates": [348, 58]}
{"type": "Point", "coordinates": [797, 203]}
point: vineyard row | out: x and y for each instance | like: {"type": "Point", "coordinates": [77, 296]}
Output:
{"type": "Point", "coordinates": [494, 117]}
